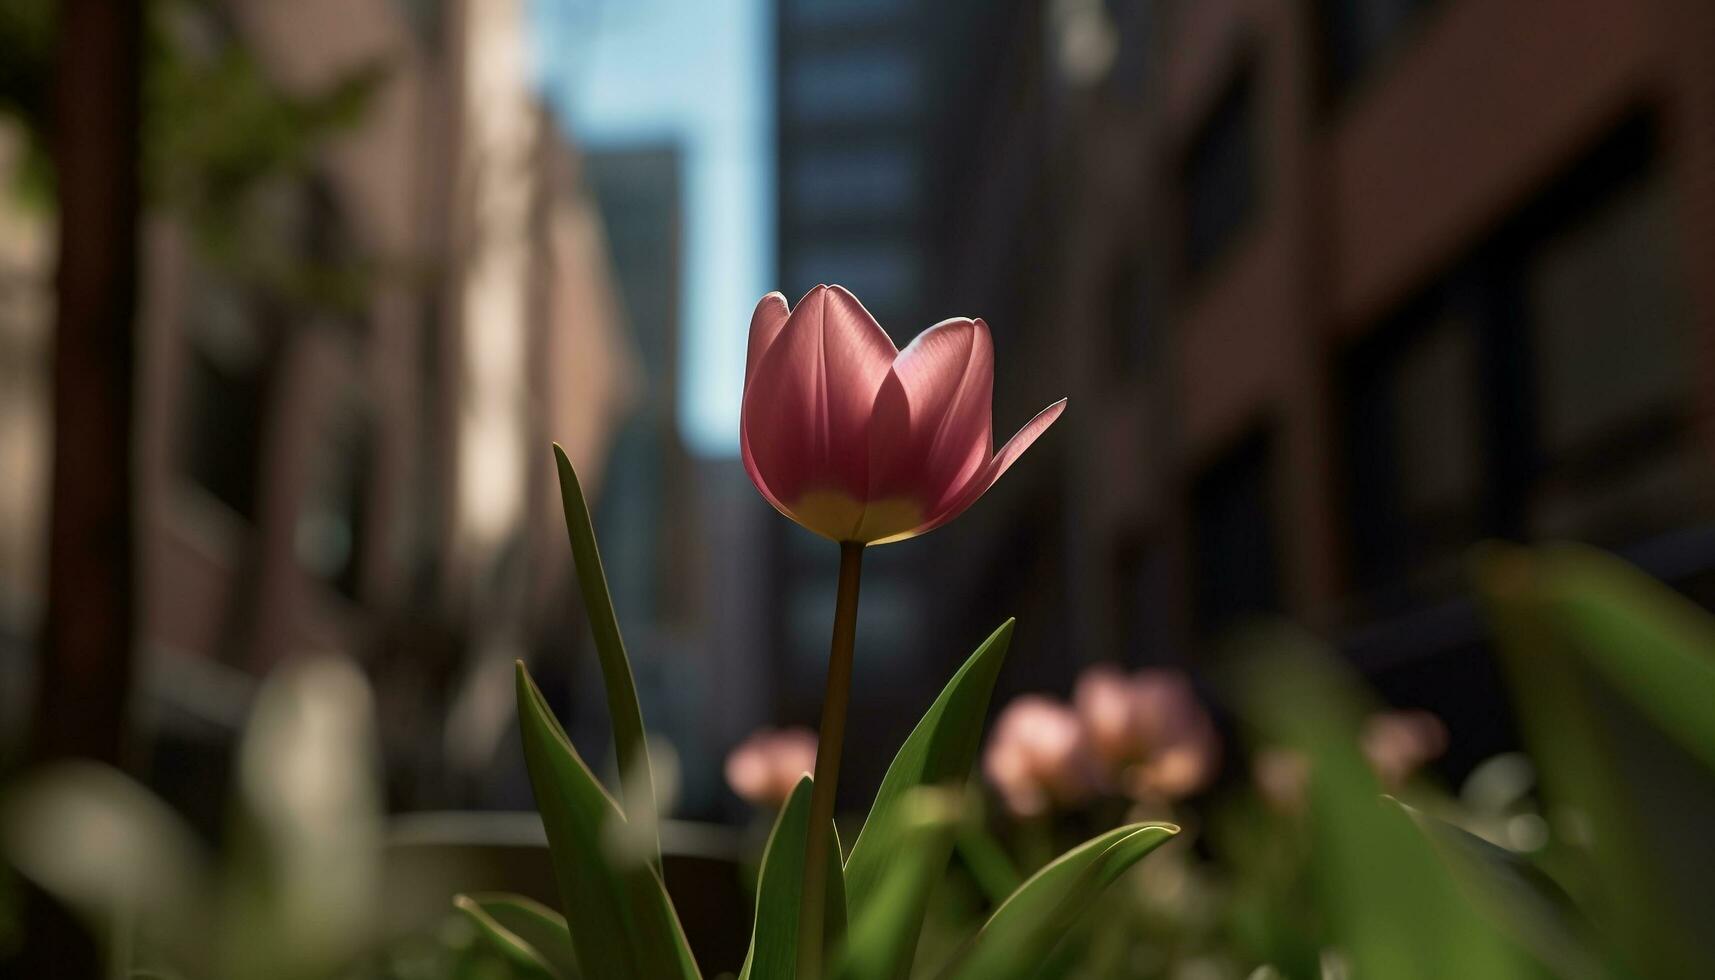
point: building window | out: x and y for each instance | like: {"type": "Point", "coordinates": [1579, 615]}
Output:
{"type": "Point", "coordinates": [225, 392]}
{"type": "Point", "coordinates": [332, 527]}
{"type": "Point", "coordinates": [886, 275]}
{"type": "Point", "coordinates": [857, 83]}
{"type": "Point", "coordinates": [1610, 327]}
{"type": "Point", "coordinates": [862, 182]}
{"type": "Point", "coordinates": [846, 13]}
{"type": "Point", "coordinates": [1222, 189]}
{"type": "Point", "coordinates": [1416, 450]}
{"type": "Point", "coordinates": [1544, 389]}
{"type": "Point", "coordinates": [1235, 545]}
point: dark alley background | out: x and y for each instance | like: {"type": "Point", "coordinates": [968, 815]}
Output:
{"type": "Point", "coordinates": [1337, 289]}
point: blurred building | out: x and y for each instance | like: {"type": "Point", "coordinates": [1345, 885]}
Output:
{"type": "Point", "coordinates": [349, 452]}
{"type": "Point", "coordinates": [1338, 290]}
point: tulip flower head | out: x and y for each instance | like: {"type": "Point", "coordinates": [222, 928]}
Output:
{"type": "Point", "coordinates": [859, 441]}
{"type": "Point", "coordinates": [1153, 736]}
{"type": "Point", "coordinates": [1398, 743]}
{"type": "Point", "coordinates": [1037, 757]}
{"type": "Point", "coordinates": [765, 767]}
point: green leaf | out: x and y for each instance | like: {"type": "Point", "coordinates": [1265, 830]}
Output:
{"type": "Point", "coordinates": [623, 709]}
{"type": "Point", "coordinates": [1025, 929]}
{"type": "Point", "coordinates": [621, 921]}
{"type": "Point", "coordinates": [520, 952]}
{"type": "Point", "coordinates": [1525, 902]}
{"type": "Point", "coordinates": [881, 942]}
{"type": "Point", "coordinates": [940, 750]}
{"type": "Point", "coordinates": [1389, 902]}
{"type": "Point", "coordinates": [527, 925]}
{"type": "Point", "coordinates": [1647, 894]}
{"type": "Point", "coordinates": [773, 953]}
{"type": "Point", "coordinates": [1650, 643]}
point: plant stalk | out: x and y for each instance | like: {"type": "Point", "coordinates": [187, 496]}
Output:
{"type": "Point", "coordinates": [818, 837]}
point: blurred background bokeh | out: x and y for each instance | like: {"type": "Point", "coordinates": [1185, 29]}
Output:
{"type": "Point", "coordinates": [1337, 288]}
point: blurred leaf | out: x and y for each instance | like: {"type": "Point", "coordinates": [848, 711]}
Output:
{"type": "Point", "coordinates": [880, 943]}
{"type": "Point", "coordinates": [988, 862]}
{"type": "Point", "coordinates": [621, 921]}
{"type": "Point", "coordinates": [114, 853]}
{"type": "Point", "coordinates": [1588, 780]}
{"type": "Point", "coordinates": [1529, 905]}
{"type": "Point", "coordinates": [517, 950]}
{"type": "Point", "coordinates": [535, 923]}
{"type": "Point", "coordinates": [1393, 908]}
{"type": "Point", "coordinates": [624, 711]}
{"type": "Point", "coordinates": [1650, 643]}
{"type": "Point", "coordinates": [302, 881]}
{"type": "Point", "coordinates": [773, 953]}
{"type": "Point", "coordinates": [1023, 932]}
{"type": "Point", "coordinates": [941, 750]}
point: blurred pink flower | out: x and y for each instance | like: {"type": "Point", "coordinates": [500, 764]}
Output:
{"type": "Point", "coordinates": [1282, 778]}
{"type": "Point", "coordinates": [1037, 756]}
{"type": "Point", "coordinates": [858, 441]}
{"type": "Point", "coordinates": [1398, 743]}
{"type": "Point", "coordinates": [765, 767]}
{"type": "Point", "coordinates": [1150, 732]}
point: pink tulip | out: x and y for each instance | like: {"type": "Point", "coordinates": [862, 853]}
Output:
{"type": "Point", "coordinates": [861, 442]}
{"type": "Point", "coordinates": [1151, 733]}
{"type": "Point", "coordinates": [1398, 743]}
{"type": "Point", "coordinates": [764, 768]}
{"type": "Point", "coordinates": [1037, 756]}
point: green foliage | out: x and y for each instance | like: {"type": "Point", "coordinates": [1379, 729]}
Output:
{"type": "Point", "coordinates": [533, 937]}
{"type": "Point", "coordinates": [294, 894]}
{"type": "Point", "coordinates": [621, 920]}
{"type": "Point", "coordinates": [1392, 907]}
{"type": "Point", "coordinates": [881, 941]}
{"type": "Point", "coordinates": [773, 953]}
{"type": "Point", "coordinates": [940, 751]}
{"type": "Point", "coordinates": [217, 136]}
{"type": "Point", "coordinates": [629, 739]}
{"type": "Point", "coordinates": [1515, 894]}
{"type": "Point", "coordinates": [1647, 642]}
{"type": "Point", "coordinates": [1022, 933]}
{"type": "Point", "coordinates": [1577, 628]}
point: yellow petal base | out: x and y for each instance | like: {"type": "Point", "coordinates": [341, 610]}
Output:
{"type": "Point", "coordinates": [839, 517]}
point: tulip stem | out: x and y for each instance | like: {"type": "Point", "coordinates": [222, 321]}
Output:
{"type": "Point", "coordinates": [818, 837]}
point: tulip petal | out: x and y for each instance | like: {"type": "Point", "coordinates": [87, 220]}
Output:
{"type": "Point", "coordinates": [985, 478]}
{"type": "Point", "coordinates": [765, 324]}
{"type": "Point", "coordinates": [932, 429]}
{"type": "Point", "coordinates": [805, 420]}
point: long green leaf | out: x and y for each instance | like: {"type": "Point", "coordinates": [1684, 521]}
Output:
{"type": "Point", "coordinates": [1025, 929]}
{"type": "Point", "coordinates": [1650, 643]}
{"type": "Point", "coordinates": [1640, 892]}
{"type": "Point", "coordinates": [881, 942]}
{"type": "Point", "coordinates": [1389, 902]}
{"type": "Point", "coordinates": [773, 953]}
{"type": "Point", "coordinates": [621, 921]}
{"type": "Point", "coordinates": [540, 929]}
{"type": "Point", "coordinates": [1525, 902]}
{"type": "Point", "coordinates": [623, 708]}
{"type": "Point", "coordinates": [517, 950]}
{"type": "Point", "coordinates": [940, 750]}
